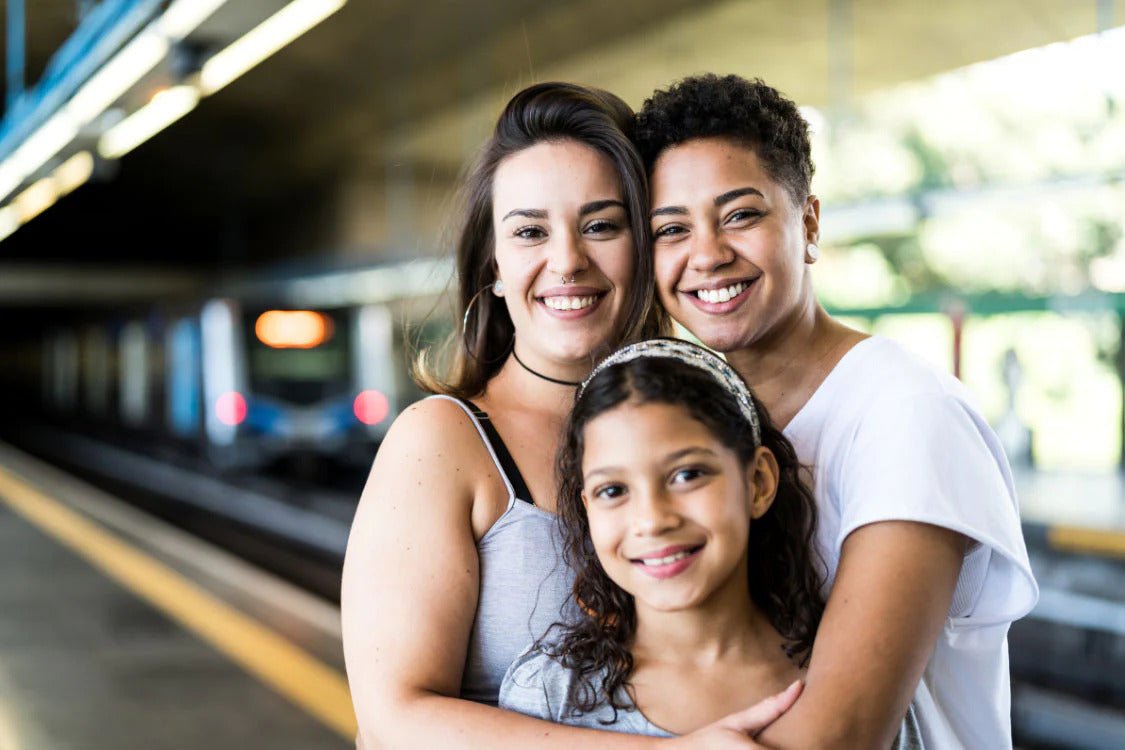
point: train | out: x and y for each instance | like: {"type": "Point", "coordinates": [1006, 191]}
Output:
{"type": "Point", "coordinates": [244, 380]}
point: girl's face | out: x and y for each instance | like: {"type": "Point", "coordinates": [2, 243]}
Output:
{"type": "Point", "coordinates": [670, 506]}
{"type": "Point", "coordinates": [729, 244]}
{"type": "Point", "coordinates": [558, 212]}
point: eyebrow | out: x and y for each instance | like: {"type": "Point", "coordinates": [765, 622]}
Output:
{"type": "Point", "coordinates": [595, 206]}
{"type": "Point", "coordinates": [720, 200]}
{"type": "Point", "coordinates": [730, 195]}
{"type": "Point", "coordinates": [670, 458]}
{"type": "Point", "coordinates": [531, 213]}
{"type": "Point", "coordinates": [687, 452]}
{"type": "Point", "coordinates": [587, 208]}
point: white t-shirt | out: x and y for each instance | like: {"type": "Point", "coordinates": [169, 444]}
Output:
{"type": "Point", "coordinates": [890, 437]}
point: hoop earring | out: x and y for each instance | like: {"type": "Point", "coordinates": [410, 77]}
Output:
{"type": "Point", "coordinates": [812, 253]}
{"type": "Point", "coordinates": [465, 328]}
{"type": "Point", "coordinates": [469, 307]}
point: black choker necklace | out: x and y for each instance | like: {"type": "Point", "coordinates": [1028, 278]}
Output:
{"type": "Point", "coordinates": [548, 378]}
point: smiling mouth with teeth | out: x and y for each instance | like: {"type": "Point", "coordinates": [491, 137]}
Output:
{"type": "Point", "coordinates": [725, 294]}
{"type": "Point", "coordinates": [569, 303]}
{"type": "Point", "coordinates": [667, 560]}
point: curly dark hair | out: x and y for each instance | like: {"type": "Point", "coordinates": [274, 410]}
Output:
{"type": "Point", "coordinates": [784, 579]}
{"type": "Point", "coordinates": [747, 111]}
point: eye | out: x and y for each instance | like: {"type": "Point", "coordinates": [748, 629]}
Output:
{"type": "Point", "coordinates": [601, 226]}
{"type": "Point", "coordinates": [669, 231]}
{"type": "Point", "coordinates": [688, 474]}
{"type": "Point", "coordinates": [743, 215]}
{"type": "Point", "coordinates": [530, 233]}
{"type": "Point", "coordinates": [609, 493]}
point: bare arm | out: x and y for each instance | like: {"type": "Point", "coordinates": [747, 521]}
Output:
{"type": "Point", "coordinates": [892, 593]}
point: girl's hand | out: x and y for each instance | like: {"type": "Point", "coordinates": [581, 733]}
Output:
{"type": "Point", "coordinates": [737, 730]}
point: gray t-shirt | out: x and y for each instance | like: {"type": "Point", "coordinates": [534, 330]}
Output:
{"type": "Point", "coordinates": [538, 686]}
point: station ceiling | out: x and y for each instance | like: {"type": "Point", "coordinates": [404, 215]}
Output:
{"type": "Point", "coordinates": [414, 85]}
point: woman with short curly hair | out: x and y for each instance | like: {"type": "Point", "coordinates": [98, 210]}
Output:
{"type": "Point", "coordinates": [919, 522]}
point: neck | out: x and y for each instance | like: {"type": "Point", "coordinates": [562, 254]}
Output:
{"type": "Point", "coordinates": [543, 376]}
{"type": "Point", "coordinates": [514, 384]}
{"type": "Point", "coordinates": [727, 626]}
{"type": "Point", "coordinates": [785, 368]}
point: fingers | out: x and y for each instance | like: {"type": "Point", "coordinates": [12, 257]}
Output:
{"type": "Point", "coordinates": [759, 716]}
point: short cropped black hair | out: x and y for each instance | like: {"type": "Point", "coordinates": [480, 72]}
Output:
{"type": "Point", "coordinates": [749, 112]}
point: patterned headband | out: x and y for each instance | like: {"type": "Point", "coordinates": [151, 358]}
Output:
{"type": "Point", "coordinates": [689, 354]}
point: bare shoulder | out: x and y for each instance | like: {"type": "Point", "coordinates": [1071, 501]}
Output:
{"type": "Point", "coordinates": [432, 452]}
{"type": "Point", "coordinates": [434, 433]}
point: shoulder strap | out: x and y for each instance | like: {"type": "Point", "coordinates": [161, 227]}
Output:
{"type": "Point", "coordinates": [507, 463]}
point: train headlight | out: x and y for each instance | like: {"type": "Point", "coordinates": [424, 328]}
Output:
{"type": "Point", "coordinates": [371, 407]}
{"type": "Point", "coordinates": [293, 329]}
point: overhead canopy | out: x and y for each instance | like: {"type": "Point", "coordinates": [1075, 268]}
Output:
{"type": "Point", "coordinates": [410, 87]}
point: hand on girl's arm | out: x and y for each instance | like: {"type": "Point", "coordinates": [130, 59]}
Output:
{"type": "Point", "coordinates": [890, 600]}
{"type": "Point", "coordinates": [737, 729]}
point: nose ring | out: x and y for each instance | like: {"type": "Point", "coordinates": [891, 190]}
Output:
{"type": "Point", "coordinates": [565, 280]}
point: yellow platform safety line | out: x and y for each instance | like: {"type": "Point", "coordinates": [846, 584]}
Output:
{"type": "Point", "coordinates": [312, 685]}
{"type": "Point", "coordinates": [1104, 542]}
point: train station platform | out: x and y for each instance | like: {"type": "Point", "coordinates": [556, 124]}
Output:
{"type": "Point", "coordinates": [1073, 512]}
{"type": "Point", "coordinates": [120, 631]}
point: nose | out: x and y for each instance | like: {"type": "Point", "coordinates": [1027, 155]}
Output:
{"type": "Point", "coordinates": [653, 514]}
{"type": "Point", "coordinates": [567, 255]}
{"type": "Point", "coordinates": [708, 250]}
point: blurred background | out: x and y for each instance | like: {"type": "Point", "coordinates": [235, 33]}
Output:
{"type": "Point", "coordinates": [225, 227]}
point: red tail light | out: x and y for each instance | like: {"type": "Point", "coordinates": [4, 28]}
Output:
{"type": "Point", "coordinates": [230, 408]}
{"type": "Point", "coordinates": [371, 407]}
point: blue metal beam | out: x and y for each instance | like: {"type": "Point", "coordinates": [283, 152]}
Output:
{"type": "Point", "coordinates": [17, 53]}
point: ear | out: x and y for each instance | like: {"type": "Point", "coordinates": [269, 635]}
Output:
{"type": "Point", "coordinates": [762, 476]}
{"type": "Point", "coordinates": [585, 500]}
{"type": "Point", "coordinates": [811, 219]}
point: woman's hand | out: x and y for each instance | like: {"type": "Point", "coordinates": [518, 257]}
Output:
{"type": "Point", "coordinates": [737, 730]}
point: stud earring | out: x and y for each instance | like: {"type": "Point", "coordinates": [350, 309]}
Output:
{"type": "Point", "coordinates": [812, 253]}
{"type": "Point", "coordinates": [498, 287]}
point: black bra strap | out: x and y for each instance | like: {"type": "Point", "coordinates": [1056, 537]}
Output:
{"type": "Point", "coordinates": [507, 463]}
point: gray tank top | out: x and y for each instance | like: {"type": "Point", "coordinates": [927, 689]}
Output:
{"type": "Point", "coordinates": [524, 582]}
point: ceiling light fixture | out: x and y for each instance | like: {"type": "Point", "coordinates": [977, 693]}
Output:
{"type": "Point", "coordinates": [263, 40]}
{"type": "Point", "coordinates": [119, 75]}
{"type": "Point", "coordinates": [184, 16]}
{"type": "Point", "coordinates": [36, 199]}
{"type": "Point", "coordinates": [74, 172]}
{"type": "Point", "coordinates": [9, 222]}
{"type": "Point", "coordinates": [164, 109]}
{"type": "Point", "coordinates": [124, 71]}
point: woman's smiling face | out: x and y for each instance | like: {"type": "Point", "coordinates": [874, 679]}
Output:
{"type": "Point", "coordinates": [729, 244]}
{"type": "Point", "coordinates": [564, 251]}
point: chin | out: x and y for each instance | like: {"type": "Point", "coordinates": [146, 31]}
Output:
{"type": "Point", "coordinates": [721, 338]}
{"type": "Point", "coordinates": [671, 605]}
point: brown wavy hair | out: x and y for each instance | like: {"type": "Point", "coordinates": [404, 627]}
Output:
{"type": "Point", "coordinates": [540, 113]}
{"type": "Point", "coordinates": [785, 573]}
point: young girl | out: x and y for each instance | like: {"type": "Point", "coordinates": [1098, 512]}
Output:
{"type": "Point", "coordinates": [690, 535]}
